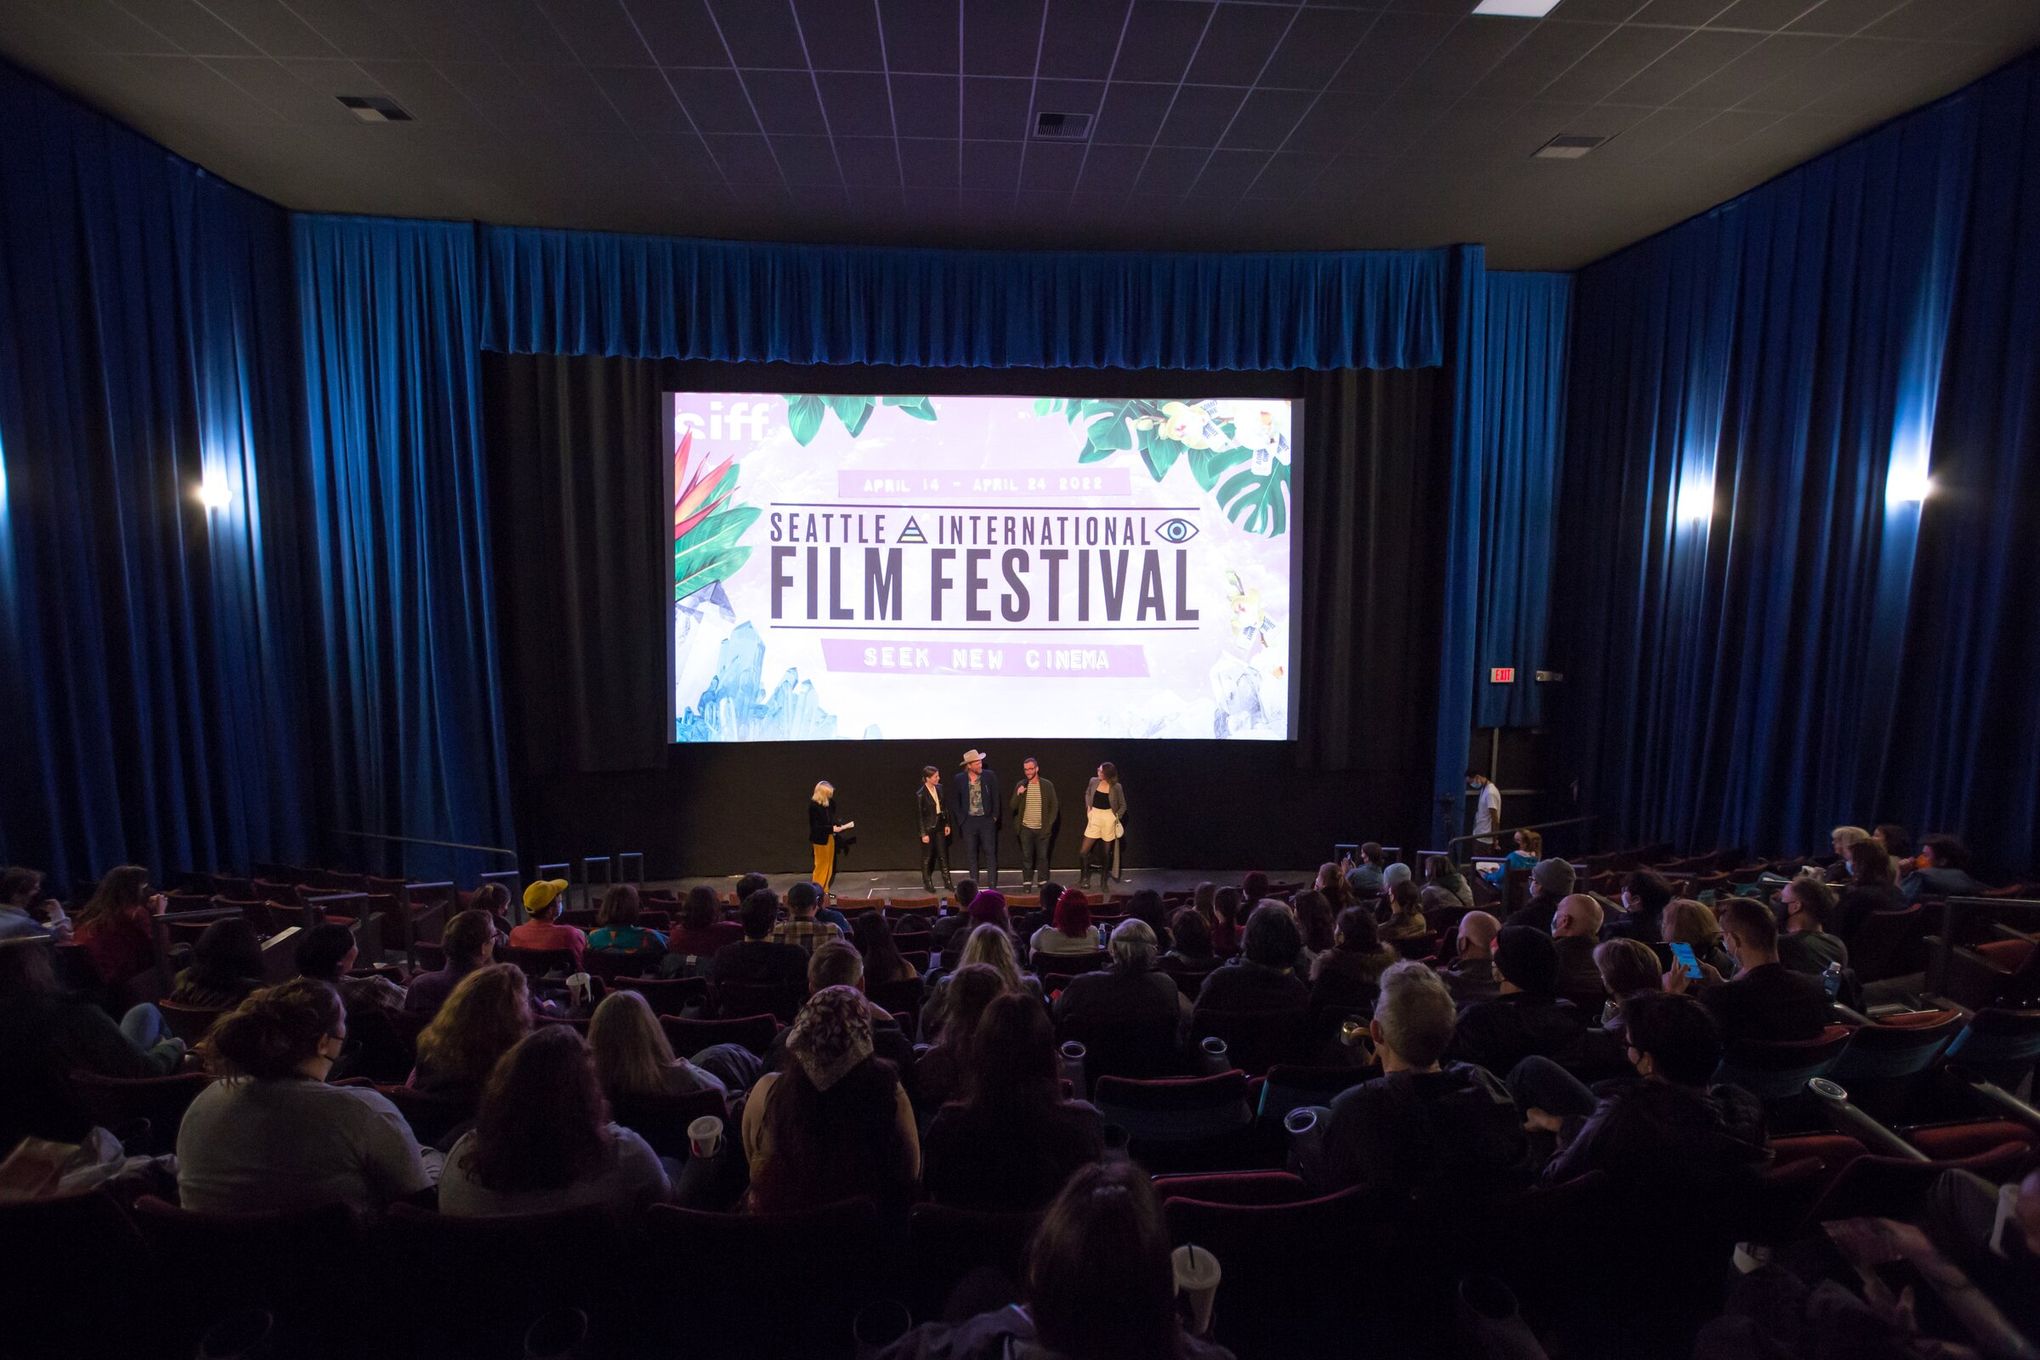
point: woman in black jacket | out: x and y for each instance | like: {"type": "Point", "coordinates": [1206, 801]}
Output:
{"type": "Point", "coordinates": [825, 824]}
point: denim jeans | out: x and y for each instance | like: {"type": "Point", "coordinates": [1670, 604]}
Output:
{"type": "Point", "coordinates": [143, 1025]}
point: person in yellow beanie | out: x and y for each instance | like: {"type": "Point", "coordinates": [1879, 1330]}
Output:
{"type": "Point", "coordinates": [542, 903]}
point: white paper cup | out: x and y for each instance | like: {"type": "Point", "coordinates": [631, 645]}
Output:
{"type": "Point", "coordinates": [1197, 1276]}
{"type": "Point", "coordinates": [704, 1136]}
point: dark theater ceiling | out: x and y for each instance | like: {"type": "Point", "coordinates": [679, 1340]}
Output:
{"type": "Point", "coordinates": [1213, 125]}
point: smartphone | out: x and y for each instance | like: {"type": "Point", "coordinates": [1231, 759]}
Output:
{"type": "Point", "coordinates": [1683, 954]}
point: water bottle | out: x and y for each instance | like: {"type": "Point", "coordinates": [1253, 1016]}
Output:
{"type": "Point", "coordinates": [1831, 978]}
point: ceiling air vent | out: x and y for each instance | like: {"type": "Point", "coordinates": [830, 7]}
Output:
{"type": "Point", "coordinates": [375, 108]}
{"type": "Point", "coordinates": [1566, 147]}
{"type": "Point", "coordinates": [1062, 127]}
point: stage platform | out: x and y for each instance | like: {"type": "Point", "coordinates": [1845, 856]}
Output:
{"type": "Point", "coordinates": [864, 885]}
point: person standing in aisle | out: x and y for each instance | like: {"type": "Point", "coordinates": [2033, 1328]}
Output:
{"type": "Point", "coordinates": [1487, 807]}
{"type": "Point", "coordinates": [974, 797]}
{"type": "Point", "coordinates": [1033, 811]}
{"type": "Point", "coordinates": [933, 819]}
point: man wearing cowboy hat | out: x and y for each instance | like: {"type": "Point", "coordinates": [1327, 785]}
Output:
{"type": "Point", "coordinates": [974, 803]}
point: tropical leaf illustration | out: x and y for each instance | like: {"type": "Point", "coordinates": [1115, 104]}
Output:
{"type": "Point", "coordinates": [805, 413]}
{"type": "Point", "coordinates": [706, 525]}
{"type": "Point", "coordinates": [1166, 433]}
{"type": "Point", "coordinates": [1256, 500]}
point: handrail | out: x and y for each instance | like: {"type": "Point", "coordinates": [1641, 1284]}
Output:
{"type": "Point", "coordinates": [420, 840]}
{"type": "Point", "coordinates": [2009, 1105]}
{"type": "Point", "coordinates": [1510, 831]}
{"type": "Point", "coordinates": [1955, 912]}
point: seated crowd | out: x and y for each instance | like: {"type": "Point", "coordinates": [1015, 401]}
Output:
{"type": "Point", "coordinates": [1474, 1053]}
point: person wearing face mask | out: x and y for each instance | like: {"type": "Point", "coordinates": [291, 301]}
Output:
{"type": "Point", "coordinates": [1766, 1001]}
{"type": "Point", "coordinates": [1645, 895]}
{"type": "Point", "coordinates": [1487, 806]}
{"type": "Point", "coordinates": [1806, 946]}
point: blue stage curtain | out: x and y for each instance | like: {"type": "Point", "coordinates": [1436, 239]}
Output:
{"type": "Point", "coordinates": [1761, 644]}
{"type": "Point", "coordinates": [150, 686]}
{"type": "Point", "coordinates": [412, 712]}
{"type": "Point", "coordinates": [587, 293]}
{"type": "Point", "coordinates": [1524, 360]}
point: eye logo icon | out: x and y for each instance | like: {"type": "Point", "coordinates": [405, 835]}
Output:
{"type": "Point", "coordinates": [1178, 530]}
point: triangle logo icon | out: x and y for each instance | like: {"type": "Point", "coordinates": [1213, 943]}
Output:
{"type": "Point", "coordinates": [912, 533]}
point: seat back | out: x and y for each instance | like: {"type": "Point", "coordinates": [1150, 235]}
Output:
{"type": "Point", "coordinates": [662, 1120]}
{"type": "Point", "coordinates": [115, 1103]}
{"type": "Point", "coordinates": [536, 963]}
{"type": "Point", "coordinates": [431, 1117]}
{"type": "Point", "coordinates": [736, 999]}
{"type": "Point", "coordinates": [1256, 1040]}
{"type": "Point", "coordinates": [62, 1313]}
{"type": "Point", "coordinates": [1175, 1109]}
{"type": "Point", "coordinates": [902, 994]}
{"type": "Point", "coordinates": [1142, 1048]}
{"type": "Point", "coordinates": [1780, 1071]}
{"type": "Point", "coordinates": [945, 1244]}
{"type": "Point", "coordinates": [1886, 943]}
{"type": "Point", "coordinates": [1900, 1047]}
{"type": "Point", "coordinates": [189, 1023]}
{"type": "Point", "coordinates": [689, 1037]}
{"type": "Point", "coordinates": [1873, 1186]}
{"type": "Point", "coordinates": [667, 996]}
{"type": "Point", "coordinates": [2000, 1045]}
{"type": "Point", "coordinates": [1293, 1085]}
{"type": "Point", "coordinates": [611, 964]}
{"type": "Point", "coordinates": [445, 1303]}
{"type": "Point", "coordinates": [294, 1264]}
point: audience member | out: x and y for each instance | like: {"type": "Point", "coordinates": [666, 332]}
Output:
{"type": "Point", "coordinates": [692, 944]}
{"type": "Point", "coordinates": [1441, 872]}
{"type": "Point", "coordinates": [45, 1036]}
{"type": "Point", "coordinates": [543, 1141]}
{"type": "Point", "coordinates": [1471, 974]}
{"type": "Point", "coordinates": [838, 964]}
{"type": "Point", "coordinates": [1627, 968]}
{"type": "Point", "coordinates": [988, 908]}
{"type": "Point", "coordinates": [1668, 1129]}
{"type": "Point", "coordinates": [834, 1122]}
{"type": "Point", "coordinates": [757, 957]}
{"type": "Point", "coordinates": [1253, 887]}
{"type": "Point", "coordinates": [1012, 1140]}
{"type": "Point", "coordinates": [1146, 905]}
{"type": "Point", "coordinates": [939, 1071]}
{"type": "Point", "coordinates": [1872, 887]}
{"type": "Point", "coordinates": [327, 953]}
{"type": "Point", "coordinates": [1331, 884]}
{"type": "Point", "coordinates": [633, 1057]}
{"type": "Point", "coordinates": [24, 912]}
{"type": "Point", "coordinates": [802, 927]}
{"type": "Point", "coordinates": [117, 928]}
{"type": "Point", "coordinates": [1529, 849]}
{"type": "Point", "coordinates": [1896, 840]}
{"type": "Point", "coordinates": [1204, 901]}
{"type": "Point", "coordinates": [1315, 920]}
{"type": "Point", "coordinates": [1099, 1285]}
{"type": "Point", "coordinates": [1393, 873]}
{"type": "Point", "coordinates": [1264, 977]}
{"type": "Point", "coordinates": [1575, 930]}
{"type": "Point", "coordinates": [1405, 920]}
{"type": "Point", "coordinates": [470, 942]}
{"type": "Point", "coordinates": [1550, 882]}
{"type": "Point", "coordinates": [1347, 977]}
{"type": "Point", "coordinates": [883, 962]}
{"type": "Point", "coordinates": [543, 902]}
{"type": "Point", "coordinates": [616, 925]}
{"type": "Point", "coordinates": [273, 1136]}
{"type": "Point", "coordinates": [226, 965]}
{"type": "Point", "coordinates": [1071, 932]}
{"type": "Point", "coordinates": [1767, 1001]}
{"type": "Point", "coordinates": [1129, 994]}
{"type": "Point", "coordinates": [483, 1018]}
{"type": "Point", "coordinates": [1424, 1125]}
{"type": "Point", "coordinates": [1645, 895]}
{"type": "Point", "coordinates": [1806, 946]}
{"type": "Point", "coordinates": [1228, 908]}
{"type": "Point", "coordinates": [748, 884]}
{"type": "Point", "coordinates": [494, 899]}
{"type": "Point", "coordinates": [1189, 943]}
{"type": "Point", "coordinates": [1689, 922]}
{"type": "Point", "coordinates": [1839, 840]}
{"type": "Point", "coordinates": [1526, 1016]}
{"type": "Point", "coordinates": [1941, 869]}
{"type": "Point", "coordinates": [1363, 879]}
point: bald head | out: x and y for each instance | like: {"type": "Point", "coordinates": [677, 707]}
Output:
{"type": "Point", "coordinates": [1578, 915]}
{"type": "Point", "coordinates": [1477, 931]}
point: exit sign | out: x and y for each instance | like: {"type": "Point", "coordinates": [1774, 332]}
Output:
{"type": "Point", "coordinates": [1502, 675]}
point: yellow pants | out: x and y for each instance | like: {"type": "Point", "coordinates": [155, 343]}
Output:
{"type": "Point", "coordinates": [825, 863]}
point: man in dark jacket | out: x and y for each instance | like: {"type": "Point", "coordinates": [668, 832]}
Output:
{"type": "Point", "coordinates": [1575, 930]}
{"type": "Point", "coordinates": [1264, 977]}
{"type": "Point", "coordinates": [1034, 811]}
{"type": "Point", "coordinates": [1526, 1017]}
{"type": "Point", "coordinates": [1766, 1001]}
{"type": "Point", "coordinates": [1423, 1124]}
{"type": "Point", "coordinates": [975, 811]}
{"type": "Point", "coordinates": [755, 958]}
{"type": "Point", "coordinates": [1669, 1126]}
{"type": "Point", "coordinates": [1550, 881]}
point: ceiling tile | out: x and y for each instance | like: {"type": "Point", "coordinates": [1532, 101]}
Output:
{"type": "Point", "coordinates": [1132, 113]}
{"type": "Point", "coordinates": [1228, 173]}
{"type": "Point", "coordinates": [1763, 77]}
{"type": "Point", "coordinates": [840, 36]}
{"type": "Point", "coordinates": [277, 89]}
{"type": "Point", "coordinates": [680, 158]}
{"type": "Point", "coordinates": [1161, 36]}
{"type": "Point", "coordinates": [715, 99]}
{"type": "Point", "coordinates": [1049, 168]}
{"type": "Point", "coordinates": [1655, 131]}
{"type": "Point", "coordinates": [1291, 173]}
{"type": "Point", "coordinates": [807, 160]}
{"type": "Point", "coordinates": [920, 35]}
{"type": "Point", "coordinates": [869, 161]}
{"type": "Point", "coordinates": [858, 104]}
{"type": "Point", "coordinates": [746, 161]}
{"type": "Point", "coordinates": [1331, 122]}
{"type": "Point", "coordinates": [271, 28]}
{"type": "Point", "coordinates": [1200, 115]}
{"type": "Point", "coordinates": [599, 35]}
{"type": "Point", "coordinates": [1393, 48]}
{"type": "Point", "coordinates": [1111, 169]}
{"type": "Point", "coordinates": [194, 29]}
{"type": "Point", "coordinates": [1001, 39]}
{"type": "Point", "coordinates": [1843, 18]}
{"type": "Point", "coordinates": [991, 165]}
{"type": "Point", "coordinates": [1316, 46]}
{"type": "Point", "coordinates": [930, 163]}
{"type": "Point", "coordinates": [107, 27]}
{"type": "Point", "coordinates": [1069, 96]}
{"type": "Point", "coordinates": [786, 103]}
{"type": "Point", "coordinates": [679, 32]}
{"type": "Point", "coordinates": [643, 98]}
{"type": "Point", "coordinates": [1684, 66]}
{"type": "Point", "coordinates": [926, 106]}
{"type": "Point", "coordinates": [1768, 16]}
{"type": "Point", "coordinates": [186, 87]}
{"type": "Point", "coordinates": [1684, 13]}
{"type": "Point", "coordinates": [1544, 55]}
{"type": "Point", "coordinates": [1267, 117]}
{"type": "Point", "coordinates": [1081, 37]}
{"type": "Point", "coordinates": [1238, 44]}
{"type": "Point", "coordinates": [995, 109]}
{"type": "Point", "coordinates": [519, 31]}
{"type": "Point", "coordinates": [1466, 54]}
{"type": "Point", "coordinates": [1933, 19]}
{"type": "Point", "coordinates": [420, 87]}
{"type": "Point", "coordinates": [1171, 170]}
{"type": "Point", "coordinates": [758, 32]}
{"type": "Point", "coordinates": [1599, 73]}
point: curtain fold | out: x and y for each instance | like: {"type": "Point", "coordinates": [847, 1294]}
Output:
{"type": "Point", "coordinates": [574, 292]}
{"type": "Point", "coordinates": [150, 696]}
{"type": "Point", "coordinates": [398, 530]}
{"type": "Point", "coordinates": [1763, 637]}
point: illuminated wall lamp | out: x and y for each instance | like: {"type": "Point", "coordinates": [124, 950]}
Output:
{"type": "Point", "coordinates": [1696, 502]}
{"type": "Point", "coordinates": [1907, 484]}
{"type": "Point", "coordinates": [213, 493]}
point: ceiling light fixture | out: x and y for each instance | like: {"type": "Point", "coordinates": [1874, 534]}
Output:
{"type": "Point", "coordinates": [1567, 146]}
{"type": "Point", "coordinates": [1516, 9]}
{"type": "Point", "coordinates": [374, 108]}
{"type": "Point", "coordinates": [1062, 127]}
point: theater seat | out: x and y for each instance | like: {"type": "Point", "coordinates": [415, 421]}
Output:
{"type": "Point", "coordinates": [1779, 1071]}
{"type": "Point", "coordinates": [469, 1287]}
{"type": "Point", "coordinates": [1256, 1040]}
{"type": "Point", "coordinates": [945, 1244]}
{"type": "Point", "coordinates": [117, 1103]}
{"type": "Point", "coordinates": [1188, 1123]}
{"type": "Point", "coordinates": [689, 1037]}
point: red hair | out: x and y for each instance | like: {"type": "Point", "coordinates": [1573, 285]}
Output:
{"type": "Point", "coordinates": [1072, 914]}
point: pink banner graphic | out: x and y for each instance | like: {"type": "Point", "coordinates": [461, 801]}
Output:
{"type": "Point", "coordinates": [922, 485]}
{"type": "Point", "coordinates": [992, 660]}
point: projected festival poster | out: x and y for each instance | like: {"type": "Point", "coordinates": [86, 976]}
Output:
{"type": "Point", "coordinates": [864, 567]}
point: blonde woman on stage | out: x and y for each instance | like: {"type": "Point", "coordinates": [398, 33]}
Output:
{"type": "Point", "coordinates": [823, 829]}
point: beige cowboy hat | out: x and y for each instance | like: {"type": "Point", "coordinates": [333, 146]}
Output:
{"type": "Point", "coordinates": [972, 754]}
